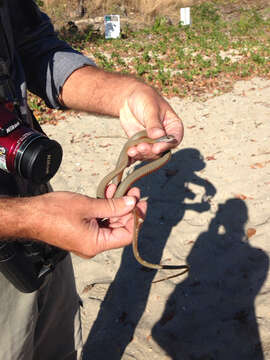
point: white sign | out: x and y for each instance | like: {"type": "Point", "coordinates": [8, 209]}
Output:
{"type": "Point", "coordinates": [112, 26]}
{"type": "Point", "coordinates": [185, 16]}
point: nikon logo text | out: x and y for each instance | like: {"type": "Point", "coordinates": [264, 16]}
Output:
{"type": "Point", "coordinates": [12, 127]}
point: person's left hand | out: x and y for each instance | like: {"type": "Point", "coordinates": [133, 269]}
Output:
{"type": "Point", "coordinates": [146, 109]}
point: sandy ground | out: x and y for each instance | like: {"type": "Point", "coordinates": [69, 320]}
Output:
{"type": "Point", "coordinates": [209, 207]}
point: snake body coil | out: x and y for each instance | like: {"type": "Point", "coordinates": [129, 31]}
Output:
{"type": "Point", "coordinates": [123, 186]}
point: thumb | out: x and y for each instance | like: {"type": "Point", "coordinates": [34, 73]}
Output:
{"type": "Point", "coordinates": [112, 207]}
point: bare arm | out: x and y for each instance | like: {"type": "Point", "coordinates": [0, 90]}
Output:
{"type": "Point", "coordinates": [93, 90]}
{"type": "Point", "coordinates": [138, 105]}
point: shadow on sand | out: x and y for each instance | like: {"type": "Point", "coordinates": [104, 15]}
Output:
{"type": "Point", "coordinates": [211, 313]}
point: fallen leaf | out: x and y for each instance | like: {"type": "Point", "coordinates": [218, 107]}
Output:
{"type": "Point", "coordinates": [241, 196]}
{"type": "Point", "coordinates": [241, 316]}
{"type": "Point", "coordinates": [87, 288]}
{"type": "Point", "coordinates": [122, 318]}
{"type": "Point", "coordinates": [171, 172]}
{"type": "Point", "coordinates": [167, 317]}
{"type": "Point", "coordinates": [105, 146]}
{"type": "Point", "coordinates": [211, 157]}
{"type": "Point", "coordinates": [257, 166]}
{"type": "Point", "coordinates": [250, 232]}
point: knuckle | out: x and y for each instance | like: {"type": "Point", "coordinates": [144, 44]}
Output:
{"type": "Point", "coordinates": [112, 205]}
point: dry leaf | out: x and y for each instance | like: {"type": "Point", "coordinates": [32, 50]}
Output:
{"type": "Point", "coordinates": [241, 196]}
{"type": "Point", "coordinates": [87, 288]}
{"type": "Point", "coordinates": [105, 146]}
{"type": "Point", "coordinates": [211, 157]}
{"type": "Point", "coordinates": [251, 232]}
{"type": "Point", "coordinates": [171, 172]}
{"type": "Point", "coordinates": [260, 165]}
{"type": "Point", "coordinates": [257, 165]}
{"type": "Point", "coordinates": [167, 317]}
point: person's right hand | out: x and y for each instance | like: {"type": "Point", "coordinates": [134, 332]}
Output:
{"type": "Point", "coordinates": [70, 221]}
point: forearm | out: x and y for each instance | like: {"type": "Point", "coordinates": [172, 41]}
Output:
{"type": "Point", "coordinates": [94, 90]}
{"type": "Point", "coordinates": [14, 215]}
{"type": "Point", "coordinates": [138, 105]}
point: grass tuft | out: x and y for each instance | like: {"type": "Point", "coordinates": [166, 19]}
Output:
{"type": "Point", "coordinates": [208, 56]}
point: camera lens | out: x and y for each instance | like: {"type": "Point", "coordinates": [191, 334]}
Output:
{"type": "Point", "coordinates": [40, 160]}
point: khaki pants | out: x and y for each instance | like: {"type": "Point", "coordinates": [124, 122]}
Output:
{"type": "Point", "coordinates": [45, 324]}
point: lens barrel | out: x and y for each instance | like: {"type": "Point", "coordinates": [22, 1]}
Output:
{"type": "Point", "coordinates": [39, 158]}
{"type": "Point", "coordinates": [26, 151]}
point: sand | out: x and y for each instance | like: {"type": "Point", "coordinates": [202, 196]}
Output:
{"type": "Point", "coordinates": [208, 207]}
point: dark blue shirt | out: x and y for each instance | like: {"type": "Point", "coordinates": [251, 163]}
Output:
{"type": "Point", "coordinates": [38, 58]}
{"type": "Point", "coordinates": [37, 61]}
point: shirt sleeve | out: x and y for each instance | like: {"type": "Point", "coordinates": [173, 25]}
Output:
{"type": "Point", "coordinates": [47, 61]}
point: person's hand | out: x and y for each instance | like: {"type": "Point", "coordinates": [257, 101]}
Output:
{"type": "Point", "coordinates": [71, 221]}
{"type": "Point", "coordinates": [138, 105]}
{"type": "Point", "coordinates": [144, 108]}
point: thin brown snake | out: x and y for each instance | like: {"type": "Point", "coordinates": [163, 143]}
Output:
{"type": "Point", "coordinates": [123, 186]}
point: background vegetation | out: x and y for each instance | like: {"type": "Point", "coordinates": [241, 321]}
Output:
{"type": "Point", "coordinates": [227, 41]}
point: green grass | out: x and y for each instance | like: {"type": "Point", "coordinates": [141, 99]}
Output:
{"type": "Point", "coordinates": [208, 56]}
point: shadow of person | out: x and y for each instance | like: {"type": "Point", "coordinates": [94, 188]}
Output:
{"type": "Point", "coordinates": [211, 314]}
{"type": "Point", "coordinates": [127, 295]}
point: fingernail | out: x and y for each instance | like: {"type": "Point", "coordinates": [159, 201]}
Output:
{"type": "Point", "coordinates": [129, 200]}
{"type": "Point", "coordinates": [132, 152]}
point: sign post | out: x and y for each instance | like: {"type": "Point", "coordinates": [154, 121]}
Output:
{"type": "Point", "coordinates": [185, 16]}
{"type": "Point", "coordinates": [112, 26]}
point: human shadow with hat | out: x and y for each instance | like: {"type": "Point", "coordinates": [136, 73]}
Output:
{"type": "Point", "coordinates": [127, 296]}
{"type": "Point", "coordinates": [211, 314]}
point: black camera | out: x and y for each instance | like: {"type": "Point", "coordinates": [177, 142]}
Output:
{"type": "Point", "coordinates": [27, 263]}
{"type": "Point", "coordinates": [25, 151]}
